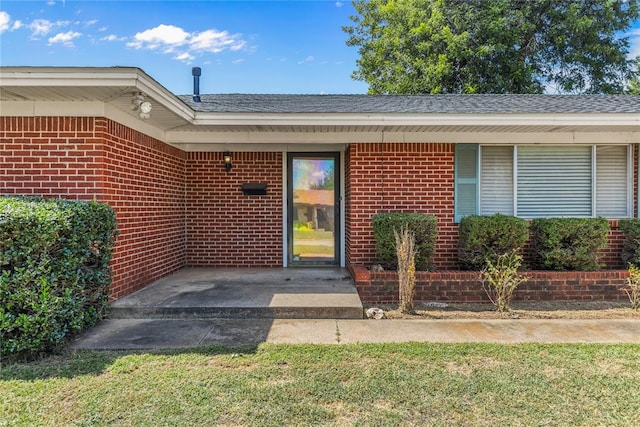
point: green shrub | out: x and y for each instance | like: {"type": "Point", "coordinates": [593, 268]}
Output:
{"type": "Point", "coordinates": [485, 238]}
{"type": "Point", "coordinates": [568, 243]}
{"type": "Point", "coordinates": [423, 227]}
{"type": "Point", "coordinates": [501, 278]}
{"type": "Point", "coordinates": [54, 271]}
{"type": "Point", "coordinates": [631, 244]}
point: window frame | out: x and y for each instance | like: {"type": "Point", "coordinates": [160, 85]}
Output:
{"type": "Point", "coordinates": [594, 181]}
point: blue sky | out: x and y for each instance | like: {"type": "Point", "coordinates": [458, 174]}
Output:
{"type": "Point", "coordinates": [241, 46]}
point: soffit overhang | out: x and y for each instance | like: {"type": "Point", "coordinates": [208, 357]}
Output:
{"type": "Point", "coordinates": [71, 91]}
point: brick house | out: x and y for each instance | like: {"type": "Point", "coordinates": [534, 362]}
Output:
{"type": "Point", "coordinates": [211, 183]}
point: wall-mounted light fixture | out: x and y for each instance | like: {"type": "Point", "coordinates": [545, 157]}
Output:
{"type": "Point", "coordinates": [227, 160]}
{"type": "Point", "coordinates": [140, 104]}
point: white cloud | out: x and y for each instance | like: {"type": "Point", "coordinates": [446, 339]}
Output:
{"type": "Point", "coordinates": [64, 38]}
{"type": "Point", "coordinates": [238, 61]}
{"type": "Point", "coordinates": [42, 27]}
{"type": "Point", "coordinates": [165, 36]}
{"type": "Point", "coordinates": [4, 21]}
{"type": "Point", "coordinates": [215, 41]}
{"type": "Point", "coordinates": [309, 58]}
{"type": "Point", "coordinates": [90, 22]}
{"type": "Point", "coordinates": [185, 56]}
{"type": "Point", "coordinates": [170, 39]}
{"type": "Point", "coordinates": [339, 4]}
{"type": "Point", "coordinates": [112, 38]}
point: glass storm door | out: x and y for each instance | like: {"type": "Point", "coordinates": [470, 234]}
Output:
{"type": "Point", "coordinates": [313, 208]}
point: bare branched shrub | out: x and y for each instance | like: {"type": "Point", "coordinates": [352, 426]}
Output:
{"type": "Point", "coordinates": [405, 251]}
{"type": "Point", "coordinates": [501, 278]}
{"type": "Point", "coordinates": [634, 286]}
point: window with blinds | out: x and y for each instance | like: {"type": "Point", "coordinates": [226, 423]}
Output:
{"type": "Point", "coordinates": [612, 178]}
{"type": "Point", "coordinates": [543, 181]}
{"type": "Point", "coordinates": [496, 180]}
{"type": "Point", "coordinates": [554, 181]}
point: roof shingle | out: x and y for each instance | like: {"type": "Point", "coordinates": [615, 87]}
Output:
{"type": "Point", "coordinates": [415, 104]}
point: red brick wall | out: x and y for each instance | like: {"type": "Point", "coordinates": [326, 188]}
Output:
{"type": "Point", "coordinates": [144, 181]}
{"type": "Point", "coordinates": [51, 156]}
{"type": "Point", "coordinates": [466, 286]}
{"type": "Point", "coordinates": [399, 178]}
{"type": "Point", "coordinates": [83, 158]}
{"type": "Point", "coordinates": [226, 228]}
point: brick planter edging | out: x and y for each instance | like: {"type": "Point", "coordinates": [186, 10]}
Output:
{"type": "Point", "coordinates": [466, 286]}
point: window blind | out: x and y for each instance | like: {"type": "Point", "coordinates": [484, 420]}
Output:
{"type": "Point", "coordinates": [496, 180]}
{"type": "Point", "coordinates": [554, 181]}
{"type": "Point", "coordinates": [611, 181]}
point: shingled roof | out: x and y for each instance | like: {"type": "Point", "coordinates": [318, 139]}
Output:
{"type": "Point", "coordinates": [415, 104]}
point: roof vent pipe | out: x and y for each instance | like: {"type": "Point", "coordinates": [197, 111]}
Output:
{"type": "Point", "coordinates": [196, 72]}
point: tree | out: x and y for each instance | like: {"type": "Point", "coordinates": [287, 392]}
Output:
{"type": "Point", "coordinates": [633, 88]}
{"type": "Point", "coordinates": [493, 46]}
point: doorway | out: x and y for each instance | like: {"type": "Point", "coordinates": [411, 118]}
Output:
{"type": "Point", "coordinates": [313, 209]}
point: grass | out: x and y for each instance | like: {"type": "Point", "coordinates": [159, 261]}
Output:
{"type": "Point", "coordinates": [382, 384]}
{"type": "Point", "coordinates": [313, 249]}
{"type": "Point", "coordinates": [312, 235]}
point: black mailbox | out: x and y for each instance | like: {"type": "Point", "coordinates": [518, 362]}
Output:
{"type": "Point", "coordinates": [254, 189]}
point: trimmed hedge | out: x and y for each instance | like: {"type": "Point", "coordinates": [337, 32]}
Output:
{"type": "Point", "coordinates": [54, 271]}
{"type": "Point", "coordinates": [424, 227]}
{"type": "Point", "coordinates": [486, 238]}
{"type": "Point", "coordinates": [631, 244]}
{"type": "Point", "coordinates": [568, 243]}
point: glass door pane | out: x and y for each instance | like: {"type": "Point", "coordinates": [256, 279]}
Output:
{"type": "Point", "coordinates": [313, 209]}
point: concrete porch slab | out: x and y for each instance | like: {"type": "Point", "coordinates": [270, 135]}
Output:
{"type": "Point", "coordinates": [272, 293]}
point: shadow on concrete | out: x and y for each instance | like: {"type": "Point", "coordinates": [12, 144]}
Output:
{"type": "Point", "coordinates": [282, 293]}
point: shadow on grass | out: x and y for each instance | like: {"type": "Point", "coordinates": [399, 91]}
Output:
{"type": "Point", "coordinates": [74, 363]}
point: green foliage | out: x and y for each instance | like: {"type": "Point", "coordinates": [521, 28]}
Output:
{"type": "Point", "coordinates": [634, 286]}
{"type": "Point", "coordinates": [633, 87]}
{"type": "Point", "coordinates": [631, 244]}
{"type": "Point", "coordinates": [501, 278]}
{"type": "Point", "coordinates": [54, 271]}
{"type": "Point", "coordinates": [424, 228]}
{"type": "Point", "coordinates": [501, 46]}
{"type": "Point", "coordinates": [568, 243]}
{"type": "Point", "coordinates": [485, 238]}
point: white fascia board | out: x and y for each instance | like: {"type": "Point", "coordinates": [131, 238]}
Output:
{"type": "Point", "coordinates": [499, 138]}
{"type": "Point", "coordinates": [52, 108]}
{"type": "Point", "coordinates": [133, 78]}
{"type": "Point", "coordinates": [362, 119]}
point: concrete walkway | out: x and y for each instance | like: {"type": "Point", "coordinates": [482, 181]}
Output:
{"type": "Point", "coordinates": [137, 334]}
{"type": "Point", "coordinates": [234, 307]}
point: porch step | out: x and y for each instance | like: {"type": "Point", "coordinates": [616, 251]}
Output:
{"type": "Point", "coordinates": [243, 293]}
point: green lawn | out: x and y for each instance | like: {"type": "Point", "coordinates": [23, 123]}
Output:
{"type": "Point", "coordinates": [393, 384]}
{"type": "Point", "coordinates": [312, 235]}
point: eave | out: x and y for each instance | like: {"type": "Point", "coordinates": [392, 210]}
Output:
{"type": "Point", "coordinates": [107, 92]}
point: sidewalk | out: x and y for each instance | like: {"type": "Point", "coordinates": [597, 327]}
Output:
{"type": "Point", "coordinates": [138, 334]}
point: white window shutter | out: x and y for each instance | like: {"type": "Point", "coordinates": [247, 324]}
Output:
{"type": "Point", "coordinates": [496, 181]}
{"type": "Point", "coordinates": [554, 181]}
{"type": "Point", "coordinates": [466, 180]}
